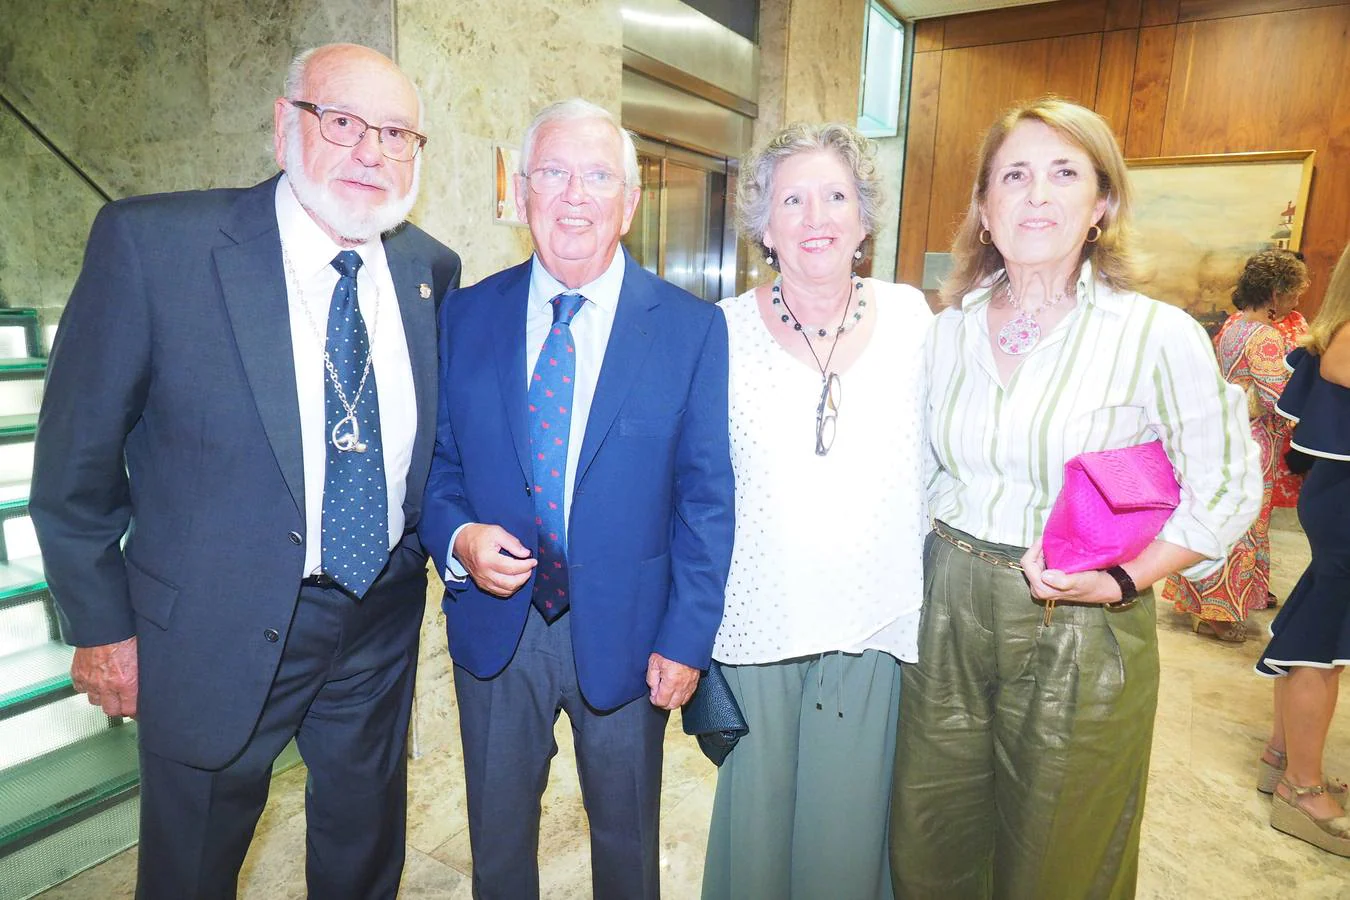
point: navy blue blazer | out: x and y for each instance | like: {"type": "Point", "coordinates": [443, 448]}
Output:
{"type": "Point", "coordinates": [170, 417]}
{"type": "Point", "coordinates": [650, 527]}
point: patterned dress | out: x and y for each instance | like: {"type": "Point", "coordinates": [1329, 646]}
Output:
{"type": "Point", "coordinates": [1251, 355]}
{"type": "Point", "coordinates": [1287, 484]}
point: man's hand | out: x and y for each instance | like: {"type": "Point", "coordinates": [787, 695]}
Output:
{"type": "Point", "coordinates": [479, 550]}
{"type": "Point", "coordinates": [1092, 586]}
{"type": "Point", "coordinates": [109, 674]}
{"type": "Point", "coordinates": [671, 683]}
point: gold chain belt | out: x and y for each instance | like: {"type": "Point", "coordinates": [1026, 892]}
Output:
{"type": "Point", "coordinates": [998, 560]}
{"type": "Point", "coordinates": [1001, 560]}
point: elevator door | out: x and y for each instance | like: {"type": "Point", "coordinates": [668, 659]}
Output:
{"type": "Point", "coordinates": [682, 229]}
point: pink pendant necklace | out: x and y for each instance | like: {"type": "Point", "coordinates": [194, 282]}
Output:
{"type": "Point", "coordinates": [1023, 331]}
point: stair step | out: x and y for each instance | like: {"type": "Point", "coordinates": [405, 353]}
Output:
{"type": "Point", "coordinates": [34, 677]}
{"type": "Point", "coordinates": [20, 333]}
{"type": "Point", "coordinates": [18, 428]}
{"type": "Point", "coordinates": [13, 488]}
{"type": "Point", "coordinates": [16, 462]}
{"type": "Point", "coordinates": [61, 785]}
{"type": "Point", "coordinates": [23, 367]}
{"type": "Point", "coordinates": [27, 621]}
{"type": "Point", "coordinates": [65, 850]}
{"type": "Point", "coordinates": [46, 729]}
{"type": "Point", "coordinates": [20, 578]}
{"type": "Point", "coordinates": [17, 537]}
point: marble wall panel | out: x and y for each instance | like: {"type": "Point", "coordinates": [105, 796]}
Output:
{"type": "Point", "coordinates": [823, 60]}
{"type": "Point", "coordinates": [773, 45]}
{"type": "Point", "coordinates": [152, 95]}
{"type": "Point", "coordinates": [484, 73]}
{"type": "Point", "coordinates": [890, 162]}
{"type": "Point", "coordinates": [45, 214]}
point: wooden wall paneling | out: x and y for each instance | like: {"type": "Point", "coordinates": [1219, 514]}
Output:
{"type": "Point", "coordinates": [1158, 12]}
{"type": "Point", "coordinates": [1148, 93]}
{"type": "Point", "coordinates": [920, 136]}
{"type": "Point", "coordinates": [928, 34]}
{"type": "Point", "coordinates": [1115, 78]}
{"type": "Point", "coordinates": [1122, 14]}
{"type": "Point", "coordinates": [1194, 10]}
{"type": "Point", "coordinates": [1263, 83]}
{"type": "Point", "coordinates": [1022, 23]}
{"type": "Point", "coordinates": [980, 82]}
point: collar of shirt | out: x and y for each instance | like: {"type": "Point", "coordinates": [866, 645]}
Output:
{"type": "Point", "coordinates": [1087, 289]}
{"type": "Point", "coordinates": [308, 248]}
{"type": "Point", "coordinates": [603, 292]}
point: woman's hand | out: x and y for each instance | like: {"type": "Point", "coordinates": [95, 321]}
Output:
{"type": "Point", "coordinates": [1093, 586]}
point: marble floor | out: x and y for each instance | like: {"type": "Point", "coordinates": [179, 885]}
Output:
{"type": "Point", "coordinates": [1206, 831]}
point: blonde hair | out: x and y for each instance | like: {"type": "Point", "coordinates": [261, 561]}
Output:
{"type": "Point", "coordinates": [1335, 309]}
{"type": "Point", "coordinates": [1112, 253]}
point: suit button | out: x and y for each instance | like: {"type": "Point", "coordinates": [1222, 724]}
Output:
{"type": "Point", "coordinates": [528, 492]}
{"type": "Point", "coordinates": [295, 537]}
{"type": "Point", "coordinates": [271, 635]}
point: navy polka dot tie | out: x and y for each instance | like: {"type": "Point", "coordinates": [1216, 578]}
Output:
{"type": "Point", "coordinates": [550, 399]}
{"type": "Point", "coordinates": [355, 500]}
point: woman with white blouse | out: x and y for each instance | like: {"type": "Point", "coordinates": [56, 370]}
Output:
{"type": "Point", "coordinates": [1026, 725]}
{"type": "Point", "coordinates": [826, 388]}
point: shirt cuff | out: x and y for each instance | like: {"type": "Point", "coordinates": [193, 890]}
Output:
{"type": "Point", "coordinates": [454, 573]}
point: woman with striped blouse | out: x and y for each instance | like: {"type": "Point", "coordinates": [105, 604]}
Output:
{"type": "Point", "coordinates": [1025, 727]}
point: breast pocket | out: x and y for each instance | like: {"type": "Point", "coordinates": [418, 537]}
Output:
{"type": "Point", "coordinates": [649, 426]}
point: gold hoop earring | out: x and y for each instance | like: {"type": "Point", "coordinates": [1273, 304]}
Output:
{"type": "Point", "coordinates": [985, 237]}
{"type": "Point", "coordinates": [1092, 238]}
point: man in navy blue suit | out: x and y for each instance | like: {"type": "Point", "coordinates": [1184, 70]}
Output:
{"type": "Point", "coordinates": [230, 463]}
{"type": "Point", "coordinates": [580, 505]}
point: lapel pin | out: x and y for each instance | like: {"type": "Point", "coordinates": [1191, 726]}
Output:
{"type": "Point", "coordinates": [424, 291]}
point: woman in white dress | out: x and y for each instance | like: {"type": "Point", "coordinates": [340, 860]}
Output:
{"type": "Point", "coordinates": [823, 599]}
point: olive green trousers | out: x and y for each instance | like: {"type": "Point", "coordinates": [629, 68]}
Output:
{"type": "Point", "coordinates": [1022, 749]}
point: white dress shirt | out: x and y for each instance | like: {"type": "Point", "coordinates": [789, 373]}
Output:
{"type": "Point", "coordinates": [590, 336]}
{"type": "Point", "coordinates": [307, 254]}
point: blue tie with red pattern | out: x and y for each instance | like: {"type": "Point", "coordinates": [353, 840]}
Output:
{"type": "Point", "coordinates": [550, 405]}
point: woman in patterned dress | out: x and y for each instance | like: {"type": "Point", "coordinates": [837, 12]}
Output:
{"type": "Point", "coordinates": [1293, 327]}
{"type": "Point", "coordinates": [1251, 355]}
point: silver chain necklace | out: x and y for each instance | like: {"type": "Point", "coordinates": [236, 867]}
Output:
{"type": "Point", "coordinates": [344, 440]}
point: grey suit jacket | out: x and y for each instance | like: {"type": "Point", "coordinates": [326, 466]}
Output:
{"type": "Point", "coordinates": [168, 486]}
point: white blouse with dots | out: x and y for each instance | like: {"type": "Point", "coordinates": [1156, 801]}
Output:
{"type": "Point", "coordinates": [829, 549]}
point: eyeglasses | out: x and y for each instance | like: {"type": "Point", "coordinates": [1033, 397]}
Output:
{"type": "Point", "coordinates": [827, 413]}
{"type": "Point", "coordinates": [597, 183]}
{"type": "Point", "coordinates": [347, 130]}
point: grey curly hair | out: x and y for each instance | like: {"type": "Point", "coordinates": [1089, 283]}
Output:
{"type": "Point", "coordinates": [754, 193]}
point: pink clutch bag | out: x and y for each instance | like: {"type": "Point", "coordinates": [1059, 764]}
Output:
{"type": "Point", "coordinates": [1112, 506]}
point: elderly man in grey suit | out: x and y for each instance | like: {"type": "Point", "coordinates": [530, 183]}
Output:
{"type": "Point", "coordinates": [231, 457]}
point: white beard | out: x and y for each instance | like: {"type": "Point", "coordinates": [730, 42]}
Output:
{"type": "Point", "coordinates": [354, 224]}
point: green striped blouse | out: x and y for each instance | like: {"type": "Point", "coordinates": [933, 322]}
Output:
{"type": "Point", "coordinates": [1120, 369]}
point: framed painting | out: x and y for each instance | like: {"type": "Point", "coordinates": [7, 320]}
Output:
{"type": "Point", "coordinates": [1198, 219]}
{"type": "Point", "coordinates": [507, 163]}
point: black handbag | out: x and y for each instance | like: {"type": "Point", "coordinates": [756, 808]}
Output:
{"type": "Point", "coordinates": [713, 716]}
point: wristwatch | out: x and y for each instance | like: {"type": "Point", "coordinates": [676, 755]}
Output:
{"type": "Point", "coordinates": [1129, 593]}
